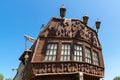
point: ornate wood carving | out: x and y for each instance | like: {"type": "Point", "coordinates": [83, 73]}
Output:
{"type": "Point", "coordinates": [67, 67]}
{"type": "Point", "coordinates": [70, 29]}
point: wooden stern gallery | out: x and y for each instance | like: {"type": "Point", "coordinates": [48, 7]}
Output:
{"type": "Point", "coordinates": [65, 49]}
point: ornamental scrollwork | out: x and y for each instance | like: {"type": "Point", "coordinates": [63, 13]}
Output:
{"type": "Point", "coordinates": [67, 68]}
{"type": "Point", "coordinates": [71, 29]}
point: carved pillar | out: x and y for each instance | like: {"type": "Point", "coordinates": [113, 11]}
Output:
{"type": "Point", "coordinates": [26, 57]}
{"type": "Point", "coordinates": [43, 42]}
{"type": "Point", "coordinates": [92, 56]}
{"type": "Point", "coordinates": [100, 58]}
{"type": "Point", "coordinates": [83, 53]}
{"type": "Point", "coordinates": [80, 75]}
{"type": "Point", "coordinates": [59, 50]}
{"type": "Point", "coordinates": [72, 51]}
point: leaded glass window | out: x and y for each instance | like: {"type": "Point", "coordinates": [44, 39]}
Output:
{"type": "Point", "coordinates": [65, 52]}
{"type": "Point", "coordinates": [87, 55]}
{"type": "Point", "coordinates": [77, 53]}
{"type": "Point", "coordinates": [95, 58]}
{"type": "Point", "coordinates": [51, 52]}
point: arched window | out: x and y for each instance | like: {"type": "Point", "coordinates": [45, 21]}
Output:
{"type": "Point", "coordinates": [65, 52]}
{"type": "Point", "coordinates": [51, 52]}
{"type": "Point", "coordinates": [77, 53]}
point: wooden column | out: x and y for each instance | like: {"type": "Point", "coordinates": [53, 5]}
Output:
{"type": "Point", "coordinates": [80, 76]}
{"type": "Point", "coordinates": [59, 50]}
{"type": "Point", "coordinates": [83, 53]}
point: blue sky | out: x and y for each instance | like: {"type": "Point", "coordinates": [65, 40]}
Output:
{"type": "Point", "coordinates": [20, 17]}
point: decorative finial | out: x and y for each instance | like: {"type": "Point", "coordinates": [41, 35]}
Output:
{"type": "Point", "coordinates": [85, 19]}
{"type": "Point", "coordinates": [62, 11]}
{"type": "Point", "coordinates": [98, 22]}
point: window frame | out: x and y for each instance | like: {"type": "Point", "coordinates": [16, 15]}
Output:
{"type": "Point", "coordinates": [79, 51]}
{"type": "Point", "coordinates": [66, 55]}
{"type": "Point", "coordinates": [51, 52]}
{"type": "Point", "coordinates": [88, 56]}
{"type": "Point", "coordinates": [95, 58]}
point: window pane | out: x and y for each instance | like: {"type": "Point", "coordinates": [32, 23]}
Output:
{"type": "Point", "coordinates": [55, 46]}
{"type": "Point", "coordinates": [89, 55]}
{"type": "Point", "coordinates": [50, 58]}
{"type": "Point", "coordinates": [65, 46]}
{"type": "Point", "coordinates": [80, 58]}
{"type": "Point", "coordinates": [62, 46]}
{"type": "Point", "coordinates": [52, 46]}
{"type": "Point", "coordinates": [68, 52]}
{"type": "Point", "coordinates": [54, 58]}
{"type": "Point", "coordinates": [65, 58]}
{"type": "Point", "coordinates": [50, 52]}
{"type": "Point", "coordinates": [54, 52]}
{"type": "Point", "coordinates": [75, 52]}
{"type": "Point", "coordinates": [80, 53]}
{"type": "Point", "coordinates": [46, 57]}
{"type": "Point", "coordinates": [75, 58]}
{"type": "Point", "coordinates": [78, 48]}
{"type": "Point", "coordinates": [68, 57]}
{"type": "Point", "coordinates": [61, 58]}
{"type": "Point", "coordinates": [48, 47]}
{"type": "Point", "coordinates": [47, 52]}
{"type": "Point", "coordinates": [74, 46]}
{"type": "Point", "coordinates": [68, 46]}
{"type": "Point", "coordinates": [65, 52]}
{"type": "Point", "coordinates": [62, 52]}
